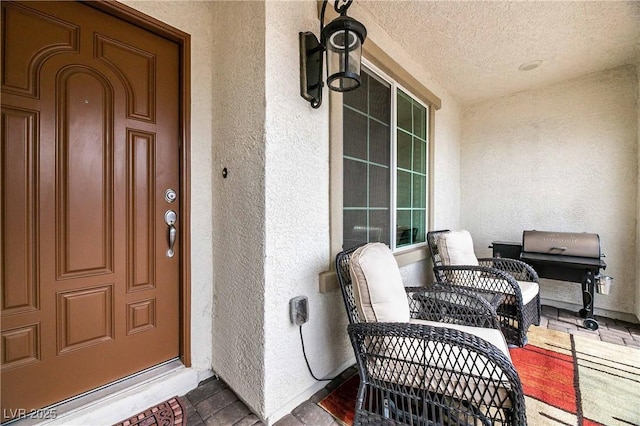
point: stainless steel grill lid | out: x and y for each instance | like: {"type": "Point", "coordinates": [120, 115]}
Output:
{"type": "Point", "coordinates": [579, 244]}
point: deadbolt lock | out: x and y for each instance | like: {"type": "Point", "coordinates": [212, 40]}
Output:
{"type": "Point", "coordinates": [170, 195]}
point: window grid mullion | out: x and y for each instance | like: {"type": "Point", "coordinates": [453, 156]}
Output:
{"type": "Point", "coordinates": [370, 117]}
{"type": "Point", "coordinates": [393, 169]}
{"type": "Point", "coordinates": [368, 163]}
{"type": "Point", "coordinates": [360, 160]}
{"type": "Point", "coordinates": [412, 174]}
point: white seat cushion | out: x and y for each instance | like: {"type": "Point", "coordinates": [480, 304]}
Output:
{"type": "Point", "coordinates": [377, 285]}
{"type": "Point", "coordinates": [456, 248]}
{"type": "Point", "coordinates": [529, 290]}
{"type": "Point", "coordinates": [491, 335]}
{"type": "Point", "coordinates": [441, 367]}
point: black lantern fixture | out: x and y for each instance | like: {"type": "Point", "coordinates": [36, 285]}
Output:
{"type": "Point", "coordinates": [342, 39]}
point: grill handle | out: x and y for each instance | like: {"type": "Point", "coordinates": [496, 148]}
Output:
{"type": "Point", "coordinates": [558, 248]}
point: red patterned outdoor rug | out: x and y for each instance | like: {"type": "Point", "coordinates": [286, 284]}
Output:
{"type": "Point", "coordinates": [168, 413]}
{"type": "Point", "coordinates": [575, 380]}
{"type": "Point", "coordinates": [567, 380]}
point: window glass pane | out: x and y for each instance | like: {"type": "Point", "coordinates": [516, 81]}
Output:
{"type": "Point", "coordinates": [404, 189]}
{"type": "Point", "coordinates": [419, 120]}
{"type": "Point", "coordinates": [368, 138]}
{"type": "Point", "coordinates": [366, 183]}
{"type": "Point", "coordinates": [379, 222]}
{"type": "Point", "coordinates": [419, 191]}
{"type": "Point", "coordinates": [379, 100]}
{"type": "Point", "coordinates": [379, 143]}
{"type": "Point", "coordinates": [419, 156]}
{"type": "Point", "coordinates": [403, 230]}
{"type": "Point", "coordinates": [412, 183]}
{"type": "Point", "coordinates": [358, 98]}
{"type": "Point", "coordinates": [378, 186]}
{"type": "Point", "coordinates": [404, 112]}
{"type": "Point", "coordinates": [355, 134]}
{"type": "Point", "coordinates": [355, 183]}
{"type": "Point", "coordinates": [404, 150]}
{"type": "Point", "coordinates": [355, 228]}
{"type": "Point", "coordinates": [419, 226]}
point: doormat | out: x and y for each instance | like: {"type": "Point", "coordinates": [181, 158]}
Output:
{"type": "Point", "coordinates": [166, 413]}
{"type": "Point", "coordinates": [567, 380]}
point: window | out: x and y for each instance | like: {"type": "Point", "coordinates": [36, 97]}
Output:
{"type": "Point", "coordinates": [385, 150]}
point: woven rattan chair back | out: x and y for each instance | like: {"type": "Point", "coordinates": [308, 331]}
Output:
{"type": "Point", "coordinates": [344, 279]}
{"type": "Point", "coordinates": [402, 379]}
{"type": "Point", "coordinates": [497, 278]}
{"type": "Point", "coordinates": [432, 239]}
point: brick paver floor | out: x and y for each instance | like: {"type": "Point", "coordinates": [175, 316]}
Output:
{"type": "Point", "coordinates": [213, 403]}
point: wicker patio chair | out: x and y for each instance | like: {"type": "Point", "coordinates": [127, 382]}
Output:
{"type": "Point", "coordinates": [511, 285]}
{"type": "Point", "coordinates": [438, 358]}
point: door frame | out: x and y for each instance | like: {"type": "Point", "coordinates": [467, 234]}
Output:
{"type": "Point", "coordinates": [183, 40]}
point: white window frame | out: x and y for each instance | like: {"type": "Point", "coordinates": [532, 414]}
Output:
{"type": "Point", "coordinates": [377, 59]}
{"type": "Point", "coordinates": [393, 166]}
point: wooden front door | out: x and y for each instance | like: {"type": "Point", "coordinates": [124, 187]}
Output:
{"type": "Point", "coordinates": [90, 145]}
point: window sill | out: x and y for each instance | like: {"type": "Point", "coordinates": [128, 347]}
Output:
{"type": "Point", "coordinates": [328, 280]}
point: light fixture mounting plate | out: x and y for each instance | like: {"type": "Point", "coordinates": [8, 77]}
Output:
{"type": "Point", "coordinates": [311, 68]}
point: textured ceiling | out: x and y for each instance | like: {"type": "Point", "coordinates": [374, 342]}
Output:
{"type": "Point", "coordinates": [474, 48]}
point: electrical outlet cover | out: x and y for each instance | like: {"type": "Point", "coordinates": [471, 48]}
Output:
{"type": "Point", "coordinates": [299, 310]}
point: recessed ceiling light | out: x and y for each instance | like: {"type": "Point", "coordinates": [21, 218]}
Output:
{"type": "Point", "coordinates": [528, 66]}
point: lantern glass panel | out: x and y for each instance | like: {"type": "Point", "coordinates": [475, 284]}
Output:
{"type": "Point", "coordinates": [344, 50]}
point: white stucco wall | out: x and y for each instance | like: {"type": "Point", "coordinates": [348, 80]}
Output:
{"type": "Point", "coordinates": [239, 200]}
{"type": "Point", "coordinates": [560, 158]}
{"type": "Point", "coordinates": [637, 301]}
{"type": "Point", "coordinates": [447, 164]}
{"type": "Point", "coordinates": [196, 19]}
{"type": "Point", "coordinates": [297, 219]}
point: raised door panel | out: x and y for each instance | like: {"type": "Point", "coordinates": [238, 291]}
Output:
{"type": "Point", "coordinates": [85, 174]}
{"type": "Point", "coordinates": [136, 68]}
{"type": "Point", "coordinates": [141, 230]}
{"type": "Point", "coordinates": [84, 317]}
{"type": "Point", "coordinates": [21, 67]}
{"type": "Point", "coordinates": [19, 159]}
{"type": "Point", "coordinates": [20, 346]}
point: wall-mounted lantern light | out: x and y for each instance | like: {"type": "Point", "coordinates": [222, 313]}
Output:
{"type": "Point", "coordinates": [342, 39]}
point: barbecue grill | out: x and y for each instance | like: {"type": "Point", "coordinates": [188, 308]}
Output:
{"type": "Point", "coordinates": [567, 256]}
{"type": "Point", "coordinates": [563, 256]}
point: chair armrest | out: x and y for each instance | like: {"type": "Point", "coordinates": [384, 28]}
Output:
{"type": "Point", "coordinates": [520, 270]}
{"type": "Point", "coordinates": [478, 279]}
{"type": "Point", "coordinates": [437, 364]}
{"type": "Point", "coordinates": [451, 305]}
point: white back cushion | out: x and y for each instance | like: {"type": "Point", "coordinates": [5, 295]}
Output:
{"type": "Point", "coordinates": [456, 248]}
{"type": "Point", "coordinates": [377, 285]}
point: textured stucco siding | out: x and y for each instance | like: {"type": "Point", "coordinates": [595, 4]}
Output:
{"type": "Point", "coordinates": [560, 158]}
{"type": "Point", "coordinates": [447, 165]}
{"type": "Point", "coordinates": [239, 200]}
{"type": "Point", "coordinates": [296, 219]}
{"type": "Point", "coordinates": [196, 19]}
{"type": "Point", "coordinates": [637, 301]}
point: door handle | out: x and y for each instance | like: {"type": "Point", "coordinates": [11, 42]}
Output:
{"type": "Point", "coordinates": [170, 219]}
